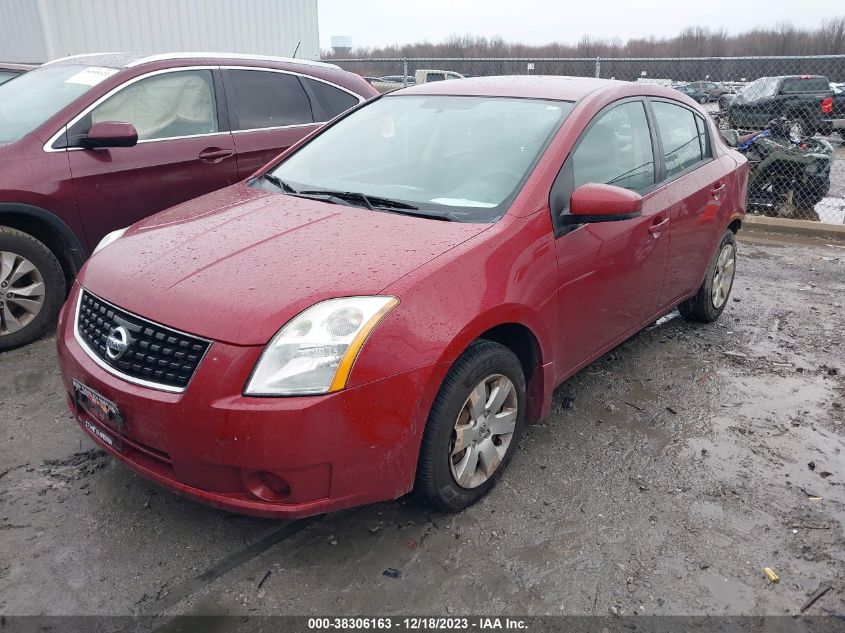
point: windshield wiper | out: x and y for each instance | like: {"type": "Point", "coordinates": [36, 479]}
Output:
{"type": "Point", "coordinates": [279, 183]}
{"type": "Point", "coordinates": [347, 198]}
{"type": "Point", "coordinates": [371, 202]}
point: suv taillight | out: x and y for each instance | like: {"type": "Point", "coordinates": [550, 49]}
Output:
{"type": "Point", "coordinates": [827, 105]}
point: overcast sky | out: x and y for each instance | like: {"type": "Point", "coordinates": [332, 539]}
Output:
{"type": "Point", "coordinates": [379, 22]}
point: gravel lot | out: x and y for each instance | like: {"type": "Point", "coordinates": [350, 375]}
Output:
{"type": "Point", "coordinates": [669, 474]}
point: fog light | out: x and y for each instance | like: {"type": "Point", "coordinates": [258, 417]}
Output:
{"type": "Point", "coordinates": [266, 485]}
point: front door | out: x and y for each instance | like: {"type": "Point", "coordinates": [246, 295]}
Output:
{"type": "Point", "coordinates": [182, 152]}
{"type": "Point", "coordinates": [610, 273]}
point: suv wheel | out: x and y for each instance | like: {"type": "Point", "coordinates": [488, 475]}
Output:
{"type": "Point", "coordinates": [32, 288]}
{"type": "Point", "coordinates": [473, 427]}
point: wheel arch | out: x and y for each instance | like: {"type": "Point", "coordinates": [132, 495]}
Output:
{"type": "Point", "coordinates": [49, 229]}
{"type": "Point", "coordinates": [525, 340]}
{"type": "Point", "coordinates": [522, 341]}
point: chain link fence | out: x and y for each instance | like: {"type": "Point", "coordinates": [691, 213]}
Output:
{"type": "Point", "coordinates": [786, 114]}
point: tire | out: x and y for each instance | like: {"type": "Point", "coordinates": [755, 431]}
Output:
{"type": "Point", "coordinates": [440, 460]}
{"type": "Point", "coordinates": [27, 317]}
{"type": "Point", "coordinates": [703, 100]}
{"type": "Point", "coordinates": [703, 306]}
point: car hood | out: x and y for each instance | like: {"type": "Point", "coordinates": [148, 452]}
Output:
{"type": "Point", "coordinates": [237, 264]}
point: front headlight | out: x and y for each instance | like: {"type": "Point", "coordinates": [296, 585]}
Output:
{"type": "Point", "coordinates": [313, 354]}
{"type": "Point", "coordinates": [108, 239]}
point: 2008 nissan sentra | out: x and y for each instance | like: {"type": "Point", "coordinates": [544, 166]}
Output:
{"type": "Point", "coordinates": [387, 305]}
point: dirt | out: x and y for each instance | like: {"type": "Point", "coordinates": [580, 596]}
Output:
{"type": "Point", "coordinates": [669, 474]}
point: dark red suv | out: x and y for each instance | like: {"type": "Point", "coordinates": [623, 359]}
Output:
{"type": "Point", "coordinates": [94, 143]}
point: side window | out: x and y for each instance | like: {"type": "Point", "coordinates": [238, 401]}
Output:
{"type": "Point", "coordinates": [680, 136]}
{"type": "Point", "coordinates": [435, 77]}
{"type": "Point", "coordinates": [616, 150]}
{"type": "Point", "coordinates": [261, 99]}
{"type": "Point", "coordinates": [5, 76]}
{"type": "Point", "coordinates": [162, 106]}
{"type": "Point", "coordinates": [332, 101]}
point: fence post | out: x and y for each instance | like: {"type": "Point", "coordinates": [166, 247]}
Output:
{"type": "Point", "coordinates": [404, 71]}
{"type": "Point", "coordinates": [598, 67]}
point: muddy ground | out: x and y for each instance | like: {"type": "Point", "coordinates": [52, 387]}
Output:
{"type": "Point", "coordinates": [669, 474]}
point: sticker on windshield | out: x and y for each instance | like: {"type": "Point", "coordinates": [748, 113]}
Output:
{"type": "Point", "coordinates": [461, 202]}
{"type": "Point", "coordinates": [91, 76]}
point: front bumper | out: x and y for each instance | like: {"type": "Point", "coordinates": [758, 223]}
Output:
{"type": "Point", "coordinates": [273, 457]}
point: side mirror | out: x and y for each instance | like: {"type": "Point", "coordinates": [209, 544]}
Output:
{"type": "Point", "coordinates": [594, 202]}
{"type": "Point", "coordinates": [110, 134]}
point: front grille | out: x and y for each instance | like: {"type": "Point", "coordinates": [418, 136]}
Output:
{"type": "Point", "coordinates": [154, 354]}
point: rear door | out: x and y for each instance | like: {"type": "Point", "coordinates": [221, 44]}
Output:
{"type": "Point", "coordinates": [610, 273]}
{"type": "Point", "coordinates": [696, 184]}
{"type": "Point", "coordinates": [184, 149]}
{"type": "Point", "coordinates": [270, 110]}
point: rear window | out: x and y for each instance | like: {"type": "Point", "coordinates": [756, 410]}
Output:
{"type": "Point", "coordinates": [330, 100]}
{"type": "Point", "coordinates": [791, 85]}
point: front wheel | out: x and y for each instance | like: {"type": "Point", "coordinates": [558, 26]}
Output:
{"type": "Point", "coordinates": [32, 288]}
{"type": "Point", "coordinates": [712, 295]}
{"type": "Point", "coordinates": [473, 427]}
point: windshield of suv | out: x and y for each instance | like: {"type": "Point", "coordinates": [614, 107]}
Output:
{"type": "Point", "coordinates": [463, 158]}
{"type": "Point", "coordinates": [31, 99]}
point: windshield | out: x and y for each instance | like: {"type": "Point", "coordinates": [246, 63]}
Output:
{"type": "Point", "coordinates": [31, 99]}
{"type": "Point", "coordinates": [464, 157]}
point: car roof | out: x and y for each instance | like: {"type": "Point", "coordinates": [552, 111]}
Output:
{"type": "Point", "coordinates": [553, 87]}
{"type": "Point", "coordinates": [130, 60]}
{"type": "Point", "coordinates": [21, 67]}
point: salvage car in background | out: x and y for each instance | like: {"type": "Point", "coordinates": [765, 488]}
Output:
{"type": "Point", "coordinates": [806, 100]}
{"type": "Point", "coordinates": [90, 144]}
{"type": "Point", "coordinates": [386, 306]}
{"type": "Point", "coordinates": [10, 71]}
{"type": "Point", "coordinates": [694, 93]}
{"type": "Point", "coordinates": [712, 89]}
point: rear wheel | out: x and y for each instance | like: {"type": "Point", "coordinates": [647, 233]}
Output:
{"type": "Point", "coordinates": [473, 428]}
{"type": "Point", "coordinates": [32, 288]}
{"type": "Point", "coordinates": [712, 295]}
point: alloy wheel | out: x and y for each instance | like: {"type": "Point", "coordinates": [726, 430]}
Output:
{"type": "Point", "coordinates": [22, 292]}
{"type": "Point", "coordinates": [723, 275]}
{"type": "Point", "coordinates": [483, 431]}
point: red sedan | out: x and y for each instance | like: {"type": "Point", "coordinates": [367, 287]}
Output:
{"type": "Point", "coordinates": [387, 305]}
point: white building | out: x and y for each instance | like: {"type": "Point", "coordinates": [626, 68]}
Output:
{"type": "Point", "coordinates": [36, 31]}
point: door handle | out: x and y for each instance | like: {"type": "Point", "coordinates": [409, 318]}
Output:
{"type": "Point", "coordinates": [658, 225]}
{"type": "Point", "coordinates": [214, 154]}
{"type": "Point", "coordinates": [719, 188]}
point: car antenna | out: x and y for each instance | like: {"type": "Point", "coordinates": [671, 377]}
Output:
{"type": "Point", "coordinates": [296, 49]}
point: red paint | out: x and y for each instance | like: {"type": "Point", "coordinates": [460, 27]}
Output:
{"type": "Point", "coordinates": [236, 265]}
{"type": "Point", "coordinates": [94, 191]}
{"type": "Point", "coordinates": [598, 199]}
